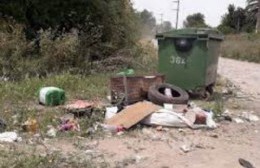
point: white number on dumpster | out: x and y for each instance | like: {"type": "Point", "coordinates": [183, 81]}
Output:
{"type": "Point", "coordinates": [178, 60]}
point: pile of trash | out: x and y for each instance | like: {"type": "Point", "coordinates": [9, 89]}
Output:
{"type": "Point", "coordinates": [134, 100]}
{"type": "Point", "coordinates": [168, 115]}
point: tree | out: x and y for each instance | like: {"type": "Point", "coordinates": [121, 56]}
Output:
{"type": "Point", "coordinates": [195, 20]}
{"type": "Point", "coordinates": [147, 23]}
{"type": "Point", "coordinates": [236, 20]}
{"type": "Point", "coordinates": [115, 18]}
{"type": "Point", "coordinates": [148, 19]}
{"type": "Point", "coordinates": [253, 8]}
{"type": "Point", "coordinates": [166, 26]}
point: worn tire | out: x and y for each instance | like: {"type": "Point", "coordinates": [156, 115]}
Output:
{"type": "Point", "coordinates": [155, 95]}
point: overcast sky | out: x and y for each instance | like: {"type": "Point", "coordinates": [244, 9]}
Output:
{"type": "Point", "coordinates": [212, 9]}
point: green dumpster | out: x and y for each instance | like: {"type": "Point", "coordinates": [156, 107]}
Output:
{"type": "Point", "coordinates": [189, 57]}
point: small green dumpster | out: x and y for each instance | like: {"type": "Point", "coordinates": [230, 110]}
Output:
{"type": "Point", "coordinates": [189, 57]}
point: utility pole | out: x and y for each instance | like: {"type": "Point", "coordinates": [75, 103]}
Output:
{"type": "Point", "coordinates": [161, 17]}
{"type": "Point", "coordinates": [177, 12]}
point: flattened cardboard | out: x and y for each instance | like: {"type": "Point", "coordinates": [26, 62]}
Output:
{"type": "Point", "coordinates": [133, 114]}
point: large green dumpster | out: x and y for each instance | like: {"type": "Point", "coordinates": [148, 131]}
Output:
{"type": "Point", "coordinates": [189, 57]}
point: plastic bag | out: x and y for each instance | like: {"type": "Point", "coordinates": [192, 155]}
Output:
{"type": "Point", "coordinates": [165, 118]}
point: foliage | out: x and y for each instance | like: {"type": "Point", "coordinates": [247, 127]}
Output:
{"type": "Point", "coordinates": [147, 18]}
{"type": "Point", "coordinates": [237, 20]}
{"type": "Point", "coordinates": [114, 16]}
{"type": "Point", "coordinates": [252, 5]}
{"type": "Point", "coordinates": [166, 26]}
{"type": "Point", "coordinates": [39, 38]}
{"type": "Point", "coordinates": [20, 58]}
{"type": "Point", "coordinates": [195, 20]}
{"type": "Point", "coordinates": [254, 12]}
{"type": "Point", "coordinates": [147, 23]}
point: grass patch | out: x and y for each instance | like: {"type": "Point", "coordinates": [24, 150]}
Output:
{"type": "Point", "coordinates": [244, 47]}
{"type": "Point", "coordinates": [76, 87]}
{"type": "Point", "coordinates": [19, 100]}
{"type": "Point", "coordinates": [20, 159]}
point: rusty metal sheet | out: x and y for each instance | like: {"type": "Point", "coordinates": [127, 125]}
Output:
{"type": "Point", "coordinates": [133, 114]}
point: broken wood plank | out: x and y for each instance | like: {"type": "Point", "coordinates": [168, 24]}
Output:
{"type": "Point", "coordinates": [133, 114]}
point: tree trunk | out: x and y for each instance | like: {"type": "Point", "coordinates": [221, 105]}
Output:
{"type": "Point", "coordinates": [258, 18]}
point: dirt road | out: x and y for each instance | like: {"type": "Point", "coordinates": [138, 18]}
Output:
{"type": "Point", "coordinates": [243, 74]}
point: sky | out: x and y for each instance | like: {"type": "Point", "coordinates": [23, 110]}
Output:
{"type": "Point", "coordinates": [212, 9]}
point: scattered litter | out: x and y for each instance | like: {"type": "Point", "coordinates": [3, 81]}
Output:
{"type": "Point", "coordinates": [120, 133]}
{"type": "Point", "coordinates": [209, 120]}
{"type": "Point", "coordinates": [159, 128]}
{"type": "Point", "coordinates": [238, 120]}
{"type": "Point", "coordinates": [168, 92]}
{"type": "Point", "coordinates": [133, 114]}
{"type": "Point", "coordinates": [30, 125]}
{"type": "Point", "coordinates": [214, 135]}
{"type": "Point", "coordinates": [138, 158]}
{"type": "Point", "coordinates": [80, 108]}
{"type": "Point", "coordinates": [110, 112]}
{"type": "Point", "coordinates": [79, 104]}
{"type": "Point", "coordinates": [201, 117]}
{"type": "Point", "coordinates": [15, 119]}
{"type": "Point", "coordinates": [69, 123]}
{"type": "Point", "coordinates": [185, 148]}
{"type": "Point", "coordinates": [52, 132]}
{"type": "Point", "coordinates": [168, 106]}
{"type": "Point", "coordinates": [249, 117]}
{"type": "Point", "coordinates": [9, 137]}
{"type": "Point", "coordinates": [227, 118]}
{"type": "Point", "coordinates": [113, 129]}
{"type": "Point", "coordinates": [245, 163]}
{"type": "Point", "coordinates": [90, 152]}
{"type": "Point", "coordinates": [51, 96]}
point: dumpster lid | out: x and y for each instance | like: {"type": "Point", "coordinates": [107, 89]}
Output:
{"type": "Point", "coordinates": [192, 33]}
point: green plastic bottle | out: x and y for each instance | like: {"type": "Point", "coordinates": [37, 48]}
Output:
{"type": "Point", "coordinates": [127, 72]}
{"type": "Point", "coordinates": [51, 96]}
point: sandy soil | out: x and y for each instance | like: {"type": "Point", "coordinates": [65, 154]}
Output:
{"type": "Point", "coordinates": [244, 74]}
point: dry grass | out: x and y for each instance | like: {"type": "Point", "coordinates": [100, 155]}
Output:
{"type": "Point", "coordinates": [244, 47]}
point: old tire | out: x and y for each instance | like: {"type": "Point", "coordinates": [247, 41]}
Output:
{"type": "Point", "coordinates": [156, 94]}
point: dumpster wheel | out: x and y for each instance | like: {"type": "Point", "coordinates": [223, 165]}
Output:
{"type": "Point", "coordinates": [157, 96]}
{"type": "Point", "coordinates": [209, 90]}
{"type": "Point", "coordinates": [202, 92]}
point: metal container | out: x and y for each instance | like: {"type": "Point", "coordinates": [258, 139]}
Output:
{"type": "Point", "coordinates": [133, 88]}
{"type": "Point", "coordinates": [189, 57]}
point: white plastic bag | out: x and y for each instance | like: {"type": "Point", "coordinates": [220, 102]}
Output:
{"type": "Point", "coordinates": [110, 112]}
{"type": "Point", "coordinates": [165, 117]}
{"type": "Point", "coordinates": [209, 120]}
{"type": "Point", "coordinates": [9, 137]}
